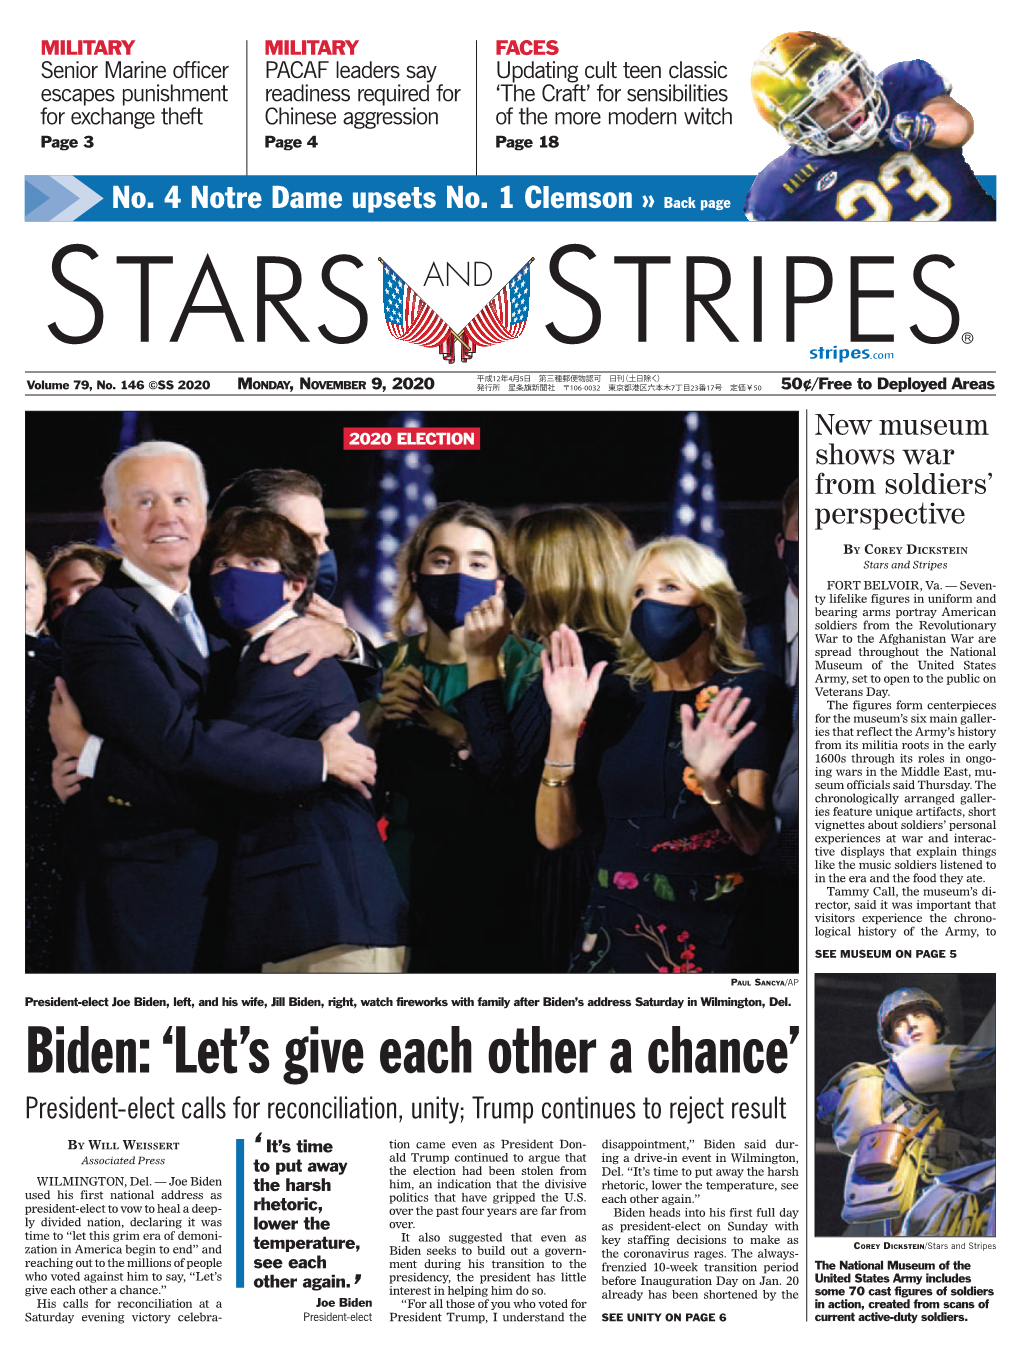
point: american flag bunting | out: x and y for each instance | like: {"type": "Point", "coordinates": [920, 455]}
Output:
{"type": "Point", "coordinates": [408, 317]}
{"type": "Point", "coordinates": [504, 317]}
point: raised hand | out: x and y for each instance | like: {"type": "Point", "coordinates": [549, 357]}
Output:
{"type": "Point", "coordinates": [569, 688]}
{"type": "Point", "coordinates": [708, 744]}
{"type": "Point", "coordinates": [486, 627]}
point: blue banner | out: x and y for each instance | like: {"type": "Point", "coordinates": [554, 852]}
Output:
{"type": "Point", "coordinates": [590, 197]}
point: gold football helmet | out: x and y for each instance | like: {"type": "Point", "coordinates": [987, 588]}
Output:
{"type": "Point", "coordinates": [818, 94]}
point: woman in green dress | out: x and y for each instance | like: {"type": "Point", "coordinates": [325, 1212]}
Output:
{"type": "Point", "coordinates": [462, 846]}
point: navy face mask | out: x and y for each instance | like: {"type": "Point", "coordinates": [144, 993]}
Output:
{"type": "Point", "coordinates": [246, 598]}
{"type": "Point", "coordinates": [664, 631]}
{"type": "Point", "coordinates": [791, 556]}
{"type": "Point", "coordinates": [447, 599]}
{"type": "Point", "coordinates": [327, 575]}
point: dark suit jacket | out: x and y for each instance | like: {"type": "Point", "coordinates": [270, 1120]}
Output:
{"type": "Point", "coordinates": [142, 685]}
{"type": "Point", "coordinates": [309, 871]}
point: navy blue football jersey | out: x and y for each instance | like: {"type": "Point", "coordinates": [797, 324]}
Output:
{"type": "Point", "coordinates": [881, 182]}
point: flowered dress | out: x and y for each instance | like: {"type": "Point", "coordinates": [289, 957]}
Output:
{"type": "Point", "coordinates": [672, 891]}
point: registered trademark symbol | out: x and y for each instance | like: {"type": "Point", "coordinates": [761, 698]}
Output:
{"type": "Point", "coordinates": [967, 338]}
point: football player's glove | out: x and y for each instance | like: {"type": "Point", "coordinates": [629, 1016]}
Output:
{"type": "Point", "coordinates": [911, 129]}
{"type": "Point", "coordinates": [798, 71]}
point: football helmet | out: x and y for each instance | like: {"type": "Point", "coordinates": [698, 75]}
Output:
{"type": "Point", "coordinates": [898, 1003]}
{"type": "Point", "coordinates": [797, 72]}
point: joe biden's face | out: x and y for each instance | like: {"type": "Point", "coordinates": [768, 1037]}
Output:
{"type": "Point", "coordinates": [159, 518]}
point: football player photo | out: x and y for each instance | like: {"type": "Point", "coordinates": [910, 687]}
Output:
{"type": "Point", "coordinates": [861, 146]}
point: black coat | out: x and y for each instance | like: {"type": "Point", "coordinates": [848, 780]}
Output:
{"type": "Point", "coordinates": [153, 829]}
{"type": "Point", "coordinates": [310, 871]}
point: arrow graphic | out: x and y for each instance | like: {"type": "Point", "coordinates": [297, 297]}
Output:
{"type": "Point", "coordinates": [52, 200]}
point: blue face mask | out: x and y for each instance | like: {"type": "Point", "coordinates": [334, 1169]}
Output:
{"type": "Point", "coordinates": [447, 599]}
{"type": "Point", "coordinates": [246, 598]}
{"type": "Point", "coordinates": [664, 631]}
{"type": "Point", "coordinates": [327, 575]}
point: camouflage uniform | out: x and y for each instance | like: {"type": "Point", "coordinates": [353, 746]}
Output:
{"type": "Point", "coordinates": [946, 1183]}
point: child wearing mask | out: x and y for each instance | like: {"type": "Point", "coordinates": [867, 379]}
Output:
{"type": "Point", "coordinates": [462, 847]}
{"type": "Point", "coordinates": [311, 888]}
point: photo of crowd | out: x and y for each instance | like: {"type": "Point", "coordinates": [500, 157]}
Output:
{"type": "Point", "coordinates": [528, 709]}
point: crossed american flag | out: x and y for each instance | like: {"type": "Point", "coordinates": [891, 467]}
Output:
{"type": "Point", "coordinates": [410, 319]}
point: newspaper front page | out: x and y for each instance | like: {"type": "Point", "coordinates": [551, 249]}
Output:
{"type": "Point", "coordinates": [579, 271]}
